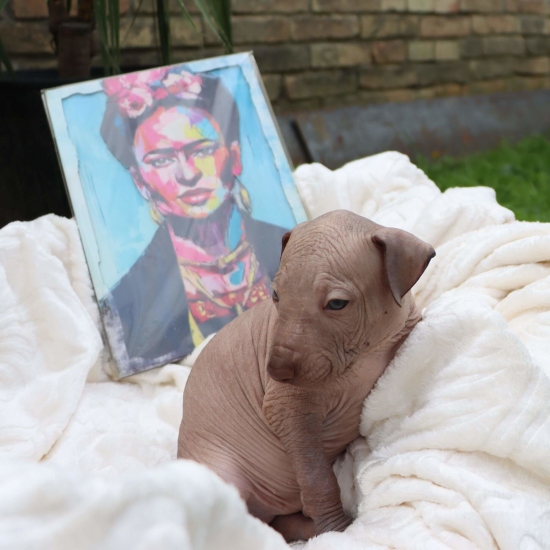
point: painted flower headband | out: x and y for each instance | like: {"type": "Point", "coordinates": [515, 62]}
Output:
{"type": "Point", "coordinates": [135, 92]}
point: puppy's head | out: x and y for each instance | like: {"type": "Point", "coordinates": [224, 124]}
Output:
{"type": "Point", "coordinates": [339, 290]}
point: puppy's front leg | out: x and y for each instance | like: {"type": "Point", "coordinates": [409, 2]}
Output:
{"type": "Point", "coordinates": [297, 419]}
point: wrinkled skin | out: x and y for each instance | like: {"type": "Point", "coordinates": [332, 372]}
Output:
{"type": "Point", "coordinates": [277, 394]}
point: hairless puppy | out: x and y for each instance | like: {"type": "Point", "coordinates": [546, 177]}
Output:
{"type": "Point", "coordinates": [277, 394]}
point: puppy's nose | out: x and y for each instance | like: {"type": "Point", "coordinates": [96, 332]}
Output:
{"type": "Point", "coordinates": [280, 370]}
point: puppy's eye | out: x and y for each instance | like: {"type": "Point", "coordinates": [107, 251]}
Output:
{"type": "Point", "coordinates": [275, 296]}
{"type": "Point", "coordinates": [337, 304]}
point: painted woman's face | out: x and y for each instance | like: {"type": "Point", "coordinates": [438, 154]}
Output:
{"type": "Point", "coordinates": [183, 162]}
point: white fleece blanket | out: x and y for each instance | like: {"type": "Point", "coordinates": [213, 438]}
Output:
{"type": "Point", "coordinates": [456, 446]}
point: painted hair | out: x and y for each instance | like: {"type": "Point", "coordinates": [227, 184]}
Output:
{"type": "Point", "coordinates": [135, 97]}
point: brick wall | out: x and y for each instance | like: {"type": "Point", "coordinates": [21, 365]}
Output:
{"type": "Point", "coordinates": [322, 53]}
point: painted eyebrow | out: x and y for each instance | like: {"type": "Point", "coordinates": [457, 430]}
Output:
{"type": "Point", "coordinates": [185, 148]}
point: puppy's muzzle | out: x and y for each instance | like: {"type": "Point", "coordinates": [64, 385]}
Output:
{"type": "Point", "coordinates": [281, 367]}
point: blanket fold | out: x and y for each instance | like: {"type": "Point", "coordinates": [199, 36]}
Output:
{"type": "Point", "coordinates": [455, 445]}
{"type": "Point", "coordinates": [49, 340]}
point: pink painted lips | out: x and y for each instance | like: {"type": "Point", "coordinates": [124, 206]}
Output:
{"type": "Point", "coordinates": [196, 196]}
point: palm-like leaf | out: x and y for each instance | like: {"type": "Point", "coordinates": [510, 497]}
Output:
{"type": "Point", "coordinates": [163, 25]}
{"type": "Point", "coordinates": [217, 14]}
{"type": "Point", "coordinates": [108, 27]}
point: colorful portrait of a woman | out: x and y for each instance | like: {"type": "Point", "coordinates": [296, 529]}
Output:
{"type": "Point", "coordinates": [178, 136]}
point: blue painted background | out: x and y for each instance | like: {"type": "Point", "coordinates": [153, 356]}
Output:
{"type": "Point", "coordinates": [120, 216]}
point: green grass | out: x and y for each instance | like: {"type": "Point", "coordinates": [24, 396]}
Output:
{"type": "Point", "coordinates": [519, 173]}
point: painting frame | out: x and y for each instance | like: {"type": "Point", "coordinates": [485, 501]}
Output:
{"type": "Point", "coordinates": [65, 107]}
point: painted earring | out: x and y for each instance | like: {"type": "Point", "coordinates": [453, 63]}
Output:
{"type": "Point", "coordinates": [242, 196]}
{"type": "Point", "coordinates": [155, 214]}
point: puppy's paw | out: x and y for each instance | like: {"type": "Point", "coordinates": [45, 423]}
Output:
{"type": "Point", "coordinates": [294, 527]}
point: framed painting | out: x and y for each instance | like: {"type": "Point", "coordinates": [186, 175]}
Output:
{"type": "Point", "coordinates": [182, 190]}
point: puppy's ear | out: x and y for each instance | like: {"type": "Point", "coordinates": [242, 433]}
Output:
{"type": "Point", "coordinates": [285, 239]}
{"type": "Point", "coordinates": [405, 259]}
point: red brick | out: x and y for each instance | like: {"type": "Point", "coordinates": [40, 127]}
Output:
{"type": "Point", "coordinates": [281, 57]}
{"type": "Point", "coordinates": [28, 37]}
{"type": "Point", "coordinates": [184, 55]}
{"type": "Point", "coordinates": [33, 63]}
{"type": "Point", "coordinates": [421, 50]}
{"type": "Point", "coordinates": [446, 90]}
{"type": "Point", "coordinates": [23, 9]}
{"type": "Point", "coordinates": [488, 86]}
{"type": "Point", "coordinates": [482, 6]}
{"type": "Point", "coordinates": [388, 76]}
{"type": "Point", "coordinates": [345, 54]}
{"type": "Point", "coordinates": [532, 24]}
{"type": "Point", "coordinates": [260, 29]}
{"type": "Point", "coordinates": [395, 96]}
{"type": "Point", "coordinates": [495, 24]}
{"type": "Point", "coordinates": [447, 6]}
{"type": "Point", "coordinates": [504, 45]}
{"type": "Point", "coordinates": [532, 6]}
{"type": "Point", "coordinates": [421, 6]}
{"type": "Point", "coordinates": [38, 9]}
{"type": "Point", "coordinates": [447, 50]}
{"type": "Point", "coordinates": [434, 26]}
{"type": "Point", "coordinates": [320, 84]}
{"type": "Point", "coordinates": [394, 5]}
{"type": "Point", "coordinates": [520, 83]}
{"type": "Point", "coordinates": [533, 66]}
{"type": "Point", "coordinates": [487, 69]}
{"type": "Point", "coordinates": [538, 45]}
{"type": "Point", "coordinates": [331, 6]}
{"type": "Point", "coordinates": [389, 26]}
{"type": "Point", "coordinates": [442, 73]}
{"type": "Point", "coordinates": [472, 46]}
{"type": "Point", "coordinates": [273, 85]}
{"type": "Point", "coordinates": [183, 34]}
{"type": "Point", "coordinates": [149, 7]}
{"type": "Point", "coordinates": [390, 51]}
{"type": "Point", "coordinates": [141, 35]}
{"type": "Point", "coordinates": [323, 27]}
{"type": "Point", "coordinates": [268, 6]}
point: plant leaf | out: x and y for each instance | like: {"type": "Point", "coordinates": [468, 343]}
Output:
{"type": "Point", "coordinates": [223, 11]}
{"type": "Point", "coordinates": [100, 11]}
{"type": "Point", "coordinates": [114, 34]}
{"type": "Point", "coordinates": [186, 15]}
{"type": "Point", "coordinates": [163, 22]}
{"type": "Point", "coordinates": [136, 11]}
{"type": "Point", "coordinates": [107, 16]}
{"type": "Point", "coordinates": [217, 14]}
